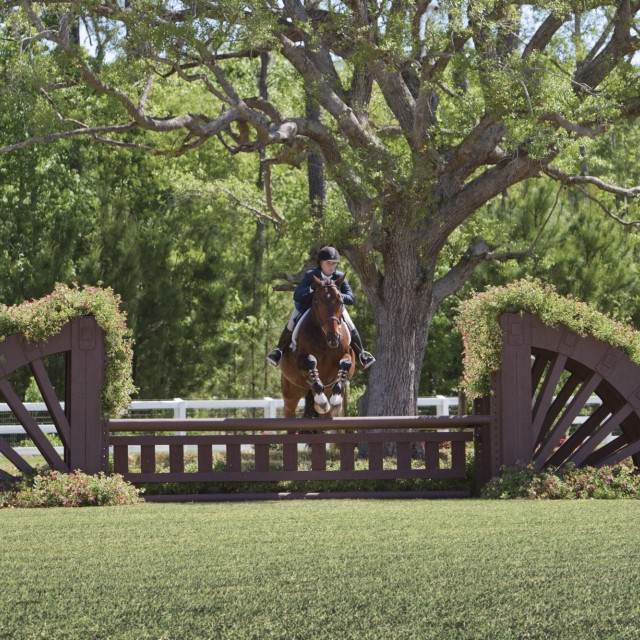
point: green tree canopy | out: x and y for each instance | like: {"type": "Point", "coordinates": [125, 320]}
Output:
{"type": "Point", "coordinates": [427, 113]}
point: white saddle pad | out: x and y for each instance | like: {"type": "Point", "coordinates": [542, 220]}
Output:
{"type": "Point", "coordinates": [296, 330]}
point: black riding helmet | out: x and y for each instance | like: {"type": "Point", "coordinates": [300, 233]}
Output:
{"type": "Point", "coordinates": [328, 253]}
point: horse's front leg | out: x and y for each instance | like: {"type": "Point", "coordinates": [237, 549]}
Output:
{"type": "Point", "coordinates": [310, 364]}
{"type": "Point", "coordinates": [338, 389]}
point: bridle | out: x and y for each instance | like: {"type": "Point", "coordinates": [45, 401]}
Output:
{"type": "Point", "coordinates": [338, 320]}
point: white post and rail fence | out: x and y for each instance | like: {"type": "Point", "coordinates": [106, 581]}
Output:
{"type": "Point", "coordinates": [180, 409]}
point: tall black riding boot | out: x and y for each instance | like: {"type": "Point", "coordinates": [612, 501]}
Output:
{"type": "Point", "coordinates": [365, 358]}
{"type": "Point", "coordinates": [275, 355]}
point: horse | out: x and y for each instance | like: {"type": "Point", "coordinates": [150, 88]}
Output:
{"type": "Point", "coordinates": [323, 361]}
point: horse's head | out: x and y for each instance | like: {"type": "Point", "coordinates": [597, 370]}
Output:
{"type": "Point", "coordinates": [328, 307]}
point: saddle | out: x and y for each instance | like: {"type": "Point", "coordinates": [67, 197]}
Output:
{"type": "Point", "coordinates": [296, 330]}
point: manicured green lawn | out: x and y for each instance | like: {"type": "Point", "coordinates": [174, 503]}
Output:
{"type": "Point", "coordinates": [323, 569]}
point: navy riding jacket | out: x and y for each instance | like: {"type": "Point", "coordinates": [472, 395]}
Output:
{"type": "Point", "coordinates": [303, 293]}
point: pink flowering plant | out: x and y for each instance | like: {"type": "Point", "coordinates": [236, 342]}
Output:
{"type": "Point", "coordinates": [77, 489]}
{"type": "Point", "coordinates": [41, 319]}
{"type": "Point", "coordinates": [478, 318]}
{"type": "Point", "coordinates": [569, 483]}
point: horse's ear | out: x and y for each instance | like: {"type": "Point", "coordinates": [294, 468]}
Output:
{"type": "Point", "coordinates": [319, 282]}
{"type": "Point", "coordinates": [340, 280]}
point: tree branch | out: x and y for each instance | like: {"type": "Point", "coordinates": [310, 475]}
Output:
{"type": "Point", "coordinates": [542, 37]}
{"type": "Point", "coordinates": [74, 133]}
{"type": "Point", "coordinates": [581, 130]}
{"type": "Point", "coordinates": [320, 88]}
{"type": "Point", "coordinates": [458, 275]}
{"type": "Point", "coordinates": [622, 43]}
{"type": "Point", "coordinates": [277, 219]}
{"type": "Point", "coordinates": [565, 178]}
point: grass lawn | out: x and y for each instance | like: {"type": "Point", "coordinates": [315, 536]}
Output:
{"type": "Point", "coordinates": [323, 569]}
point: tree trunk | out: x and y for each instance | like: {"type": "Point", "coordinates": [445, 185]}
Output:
{"type": "Point", "coordinates": [402, 307]}
{"type": "Point", "coordinates": [393, 381]}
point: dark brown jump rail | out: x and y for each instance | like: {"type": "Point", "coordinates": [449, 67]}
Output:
{"type": "Point", "coordinates": [402, 436]}
{"type": "Point", "coordinates": [548, 375]}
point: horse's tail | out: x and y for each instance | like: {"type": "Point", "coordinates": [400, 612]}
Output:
{"type": "Point", "coordinates": [309, 408]}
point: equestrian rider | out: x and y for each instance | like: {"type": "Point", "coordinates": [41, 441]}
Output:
{"type": "Point", "coordinates": [328, 259]}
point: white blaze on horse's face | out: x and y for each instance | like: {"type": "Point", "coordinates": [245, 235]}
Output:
{"type": "Point", "coordinates": [328, 308]}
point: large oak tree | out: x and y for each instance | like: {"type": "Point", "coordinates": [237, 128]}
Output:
{"type": "Point", "coordinates": [427, 111]}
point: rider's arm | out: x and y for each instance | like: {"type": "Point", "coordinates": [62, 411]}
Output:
{"type": "Point", "coordinates": [347, 293]}
{"type": "Point", "coordinates": [303, 291]}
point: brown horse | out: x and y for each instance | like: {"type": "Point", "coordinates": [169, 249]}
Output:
{"type": "Point", "coordinates": [323, 362]}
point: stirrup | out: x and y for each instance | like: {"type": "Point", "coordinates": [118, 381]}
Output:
{"type": "Point", "coordinates": [366, 359]}
{"type": "Point", "coordinates": [274, 357]}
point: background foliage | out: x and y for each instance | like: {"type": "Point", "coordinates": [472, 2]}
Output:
{"type": "Point", "coordinates": [179, 239]}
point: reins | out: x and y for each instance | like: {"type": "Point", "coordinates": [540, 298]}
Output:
{"type": "Point", "coordinates": [338, 320]}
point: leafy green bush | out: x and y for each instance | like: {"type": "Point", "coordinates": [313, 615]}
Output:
{"type": "Point", "coordinates": [78, 489]}
{"type": "Point", "coordinates": [482, 337]}
{"type": "Point", "coordinates": [524, 481]}
{"type": "Point", "coordinates": [43, 318]}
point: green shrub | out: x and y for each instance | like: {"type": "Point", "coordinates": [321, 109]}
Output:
{"type": "Point", "coordinates": [77, 489]}
{"type": "Point", "coordinates": [572, 483]}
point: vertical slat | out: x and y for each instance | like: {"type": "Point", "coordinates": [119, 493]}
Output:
{"type": "Point", "coordinates": [176, 458]}
{"type": "Point", "coordinates": [547, 391]}
{"type": "Point", "coordinates": [403, 455]}
{"type": "Point", "coordinates": [583, 432]}
{"type": "Point", "coordinates": [483, 457]}
{"type": "Point", "coordinates": [234, 459]}
{"type": "Point", "coordinates": [89, 448]}
{"type": "Point", "coordinates": [205, 457]}
{"type": "Point", "coordinates": [51, 400]}
{"type": "Point", "coordinates": [607, 428]}
{"type": "Point", "coordinates": [539, 365]}
{"type": "Point", "coordinates": [6, 476]}
{"type": "Point", "coordinates": [121, 458]}
{"type": "Point", "coordinates": [31, 427]}
{"type": "Point", "coordinates": [16, 459]}
{"type": "Point", "coordinates": [347, 456]}
{"type": "Point", "coordinates": [513, 393]}
{"type": "Point", "coordinates": [375, 456]}
{"type": "Point", "coordinates": [625, 452]}
{"type": "Point", "coordinates": [262, 457]}
{"type": "Point", "coordinates": [318, 456]}
{"type": "Point", "coordinates": [290, 456]}
{"type": "Point", "coordinates": [571, 412]}
{"type": "Point", "coordinates": [557, 406]}
{"type": "Point", "coordinates": [458, 461]}
{"type": "Point", "coordinates": [431, 455]}
{"type": "Point", "coordinates": [148, 458]}
{"type": "Point", "coordinates": [599, 456]}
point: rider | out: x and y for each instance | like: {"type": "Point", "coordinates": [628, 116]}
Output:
{"type": "Point", "coordinates": [328, 259]}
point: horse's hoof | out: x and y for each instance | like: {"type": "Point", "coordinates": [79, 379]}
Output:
{"type": "Point", "coordinates": [335, 401]}
{"type": "Point", "coordinates": [321, 399]}
{"type": "Point", "coordinates": [321, 404]}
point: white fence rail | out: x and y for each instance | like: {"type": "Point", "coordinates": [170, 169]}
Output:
{"type": "Point", "coordinates": [180, 409]}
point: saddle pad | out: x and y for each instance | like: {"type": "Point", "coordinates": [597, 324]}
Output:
{"type": "Point", "coordinates": [296, 330]}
